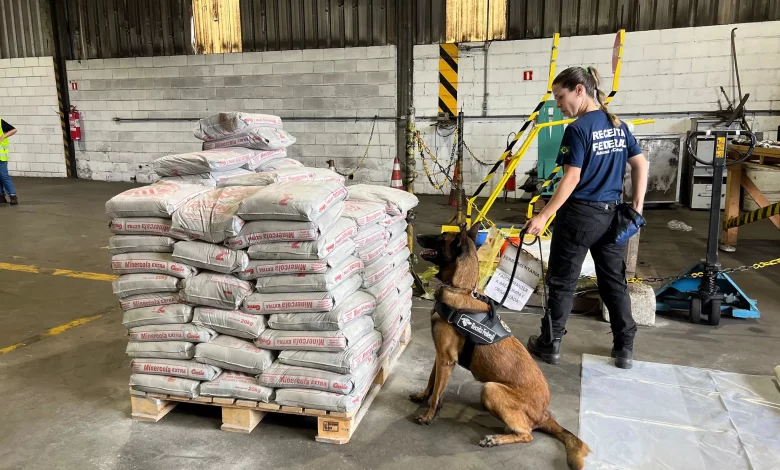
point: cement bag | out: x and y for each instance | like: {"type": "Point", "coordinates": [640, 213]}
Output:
{"type": "Point", "coordinates": [329, 401]}
{"type": "Point", "coordinates": [372, 253]}
{"type": "Point", "coordinates": [281, 163]}
{"type": "Point", "coordinates": [390, 325]}
{"type": "Point", "coordinates": [397, 260]}
{"type": "Point", "coordinates": [391, 219]}
{"type": "Point", "coordinates": [184, 332]}
{"type": "Point", "coordinates": [316, 340]}
{"type": "Point", "coordinates": [283, 376]}
{"type": "Point", "coordinates": [357, 305]}
{"type": "Point", "coordinates": [405, 296]}
{"type": "Point", "coordinates": [382, 289]}
{"type": "Point", "coordinates": [264, 268]}
{"type": "Point", "coordinates": [344, 362]}
{"type": "Point", "coordinates": [236, 354]}
{"type": "Point", "coordinates": [326, 175]}
{"type": "Point", "coordinates": [146, 226]}
{"type": "Point", "coordinates": [396, 244]}
{"type": "Point", "coordinates": [211, 180]}
{"type": "Point", "coordinates": [269, 177]}
{"type": "Point", "coordinates": [213, 217]}
{"type": "Point", "coordinates": [119, 244]}
{"type": "Point", "coordinates": [230, 322]}
{"type": "Point", "coordinates": [158, 263]}
{"type": "Point", "coordinates": [156, 200]}
{"type": "Point", "coordinates": [387, 308]}
{"type": "Point", "coordinates": [396, 229]}
{"type": "Point", "coordinates": [304, 200]}
{"type": "Point", "coordinates": [236, 385]}
{"type": "Point", "coordinates": [324, 282]}
{"type": "Point", "coordinates": [162, 315]}
{"type": "Point", "coordinates": [341, 233]}
{"type": "Point", "coordinates": [216, 290]}
{"type": "Point", "coordinates": [370, 235]}
{"type": "Point", "coordinates": [204, 161]}
{"type": "Point", "coordinates": [258, 138]}
{"type": "Point", "coordinates": [134, 284]}
{"type": "Point", "coordinates": [364, 212]}
{"type": "Point", "coordinates": [209, 256]}
{"type": "Point", "coordinates": [397, 201]}
{"type": "Point", "coordinates": [150, 300]}
{"type": "Point", "coordinates": [222, 125]}
{"type": "Point", "coordinates": [175, 368]}
{"type": "Point", "coordinates": [263, 158]}
{"type": "Point", "coordinates": [161, 350]}
{"type": "Point", "coordinates": [301, 302]}
{"type": "Point", "coordinates": [377, 271]}
{"type": "Point", "coordinates": [284, 230]}
{"type": "Point", "coordinates": [164, 385]}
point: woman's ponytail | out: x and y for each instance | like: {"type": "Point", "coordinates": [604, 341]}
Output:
{"type": "Point", "coordinates": [601, 97]}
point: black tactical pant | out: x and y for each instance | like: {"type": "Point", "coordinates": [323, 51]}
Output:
{"type": "Point", "coordinates": [581, 226]}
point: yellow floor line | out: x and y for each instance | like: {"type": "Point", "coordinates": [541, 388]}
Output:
{"type": "Point", "coordinates": [50, 332]}
{"type": "Point", "coordinates": [28, 268]}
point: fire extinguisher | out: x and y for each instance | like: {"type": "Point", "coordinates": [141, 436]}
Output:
{"type": "Point", "coordinates": [75, 124]}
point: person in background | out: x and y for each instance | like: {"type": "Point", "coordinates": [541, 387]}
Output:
{"type": "Point", "coordinates": [6, 184]}
{"type": "Point", "coordinates": [594, 152]}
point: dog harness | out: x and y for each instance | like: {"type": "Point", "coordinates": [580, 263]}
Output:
{"type": "Point", "coordinates": [479, 328]}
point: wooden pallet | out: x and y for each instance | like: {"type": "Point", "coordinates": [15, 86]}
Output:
{"type": "Point", "coordinates": [243, 416]}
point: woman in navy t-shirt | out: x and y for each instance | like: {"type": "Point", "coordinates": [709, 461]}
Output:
{"type": "Point", "coordinates": [594, 152]}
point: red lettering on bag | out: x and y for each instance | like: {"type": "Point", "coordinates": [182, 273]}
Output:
{"type": "Point", "coordinates": [285, 199]}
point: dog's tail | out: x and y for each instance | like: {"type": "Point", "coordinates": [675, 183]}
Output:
{"type": "Point", "coordinates": [576, 450]}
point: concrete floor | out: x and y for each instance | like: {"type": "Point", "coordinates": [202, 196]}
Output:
{"type": "Point", "coordinates": [64, 399]}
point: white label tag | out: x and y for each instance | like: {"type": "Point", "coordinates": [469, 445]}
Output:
{"type": "Point", "coordinates": [518, 296]}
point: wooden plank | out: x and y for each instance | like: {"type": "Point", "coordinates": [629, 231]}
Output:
{"type": "Point", "coordinates": [733, 189]}
{"type": "Point", "coordinates": [534, 19]}
{"type": "Point", "coordinates": [334, 430]}
{"type": "Point", "coordinates": [203, 399]}
{"type": "Point", "coordinates": [515, 19]}
{"type": "Point", "coordinates": [224, 401]}
{"type": "Point", "coordinates": [240, 420]}
{"type": "Point", "coordinates": [149, 409]}
{"type": "Point", "coordinates": [664, 14]}
{"type": "Point", "coordinates": [758, 197]}
{"type": "Point", "coordinates": [378, 10]}
{"type": "Point", "coordinates": [323, 23]}
{"type": "Point", "coordinates": [309, 21]}
{"type": "Point", "coordinates": [268, 406]}
{"type": "Point", "coordinates": [364, 23]}
{"type": "Point", "coordinates": [569, 15]}
{"type": "Point", "coordinates": [246, 403]}
{"type": "Point", "coordinates": [336, 23]}
{"type": "Point", "coordinates": [313, 412]}
{"type": "Point", "coordinates": [291, 409]}
{"type": "Point", "coordinates": [297, 34]}
{"type": "Point", "coordinates": [350, 23]}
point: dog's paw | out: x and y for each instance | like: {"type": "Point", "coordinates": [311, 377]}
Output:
{"type": "Point", "coordinates": [489, 441]}
{"type": "Point", "coordinates": [419, 397]}
{"type": "Point", "coordinates": [423, 420]}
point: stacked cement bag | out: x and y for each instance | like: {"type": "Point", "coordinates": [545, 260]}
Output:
{"type": "Point", "coordinates": [382, 244]}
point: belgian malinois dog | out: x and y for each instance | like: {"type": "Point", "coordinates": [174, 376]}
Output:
{"type": "Point", "coordinates": [515, 389]}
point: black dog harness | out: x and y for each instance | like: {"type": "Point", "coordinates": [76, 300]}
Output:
{"type": "Point", "coordinates": [479, 328]}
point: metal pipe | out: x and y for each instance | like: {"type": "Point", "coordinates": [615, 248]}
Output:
{"type": "Point", "coordinates": [295, 118]}
{"type": "Point", "coordinates": [459, 181]}
{"type": "Point", "coordinates": [411, 166]}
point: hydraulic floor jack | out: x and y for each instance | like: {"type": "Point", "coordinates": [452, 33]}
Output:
{"type": "Point", "coordinates": [713, 291]}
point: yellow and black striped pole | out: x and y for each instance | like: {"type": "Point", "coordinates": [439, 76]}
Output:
{"type": "Point", "coordinates": [754, 216]}
{"type": "Point", "coordinates": [448, 80]}
{"type": "Point", "coordinates": [531, 118]}
{"type": "Point", "coordinates": [618, 56]}
{"type": "Point", "coordinates": [64, 124]}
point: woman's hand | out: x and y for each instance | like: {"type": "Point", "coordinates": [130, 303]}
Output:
{"type": "Point", "coordinates": [535, 226]}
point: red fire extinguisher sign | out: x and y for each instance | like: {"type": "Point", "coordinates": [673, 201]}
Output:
{"type": "Point", "coordinates": [75, 123]}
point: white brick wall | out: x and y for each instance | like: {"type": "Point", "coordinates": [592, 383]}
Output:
{"type": "Point", "coordinates": [355, 82]}
{"type": "Point", "coordinates": [28, 101]}
{"type": "Point", "coordinates": [663, 71]}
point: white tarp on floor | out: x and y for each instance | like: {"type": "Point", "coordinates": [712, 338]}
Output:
{"type": "Point", "coordinates": [660, 416]}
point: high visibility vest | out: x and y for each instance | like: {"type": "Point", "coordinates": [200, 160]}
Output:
{"type": "Point", "coordinates": [4, 149]}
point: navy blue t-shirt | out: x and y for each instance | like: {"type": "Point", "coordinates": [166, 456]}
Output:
{"type": "Point", "coordinates": [601, 150]}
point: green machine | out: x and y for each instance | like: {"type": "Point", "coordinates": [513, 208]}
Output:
{"type": "Point", "coordinates": [549, 144]}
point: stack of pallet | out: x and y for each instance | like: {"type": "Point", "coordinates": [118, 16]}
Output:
{"type": "Point", "coordinates": [262, 282]}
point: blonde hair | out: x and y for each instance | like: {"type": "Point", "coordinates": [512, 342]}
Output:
{"type": "Point", "coordinates": [589, 78]}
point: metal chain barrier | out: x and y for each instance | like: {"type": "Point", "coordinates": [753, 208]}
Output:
{"type": "Point", "coordinates": [365, 154]}
{"type": "Point", "coordinates": [747, 267]}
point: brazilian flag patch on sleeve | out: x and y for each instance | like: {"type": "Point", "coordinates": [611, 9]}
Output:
{"type": "Point", "coordinates": [564, 150]}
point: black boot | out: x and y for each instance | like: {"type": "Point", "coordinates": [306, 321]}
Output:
{"type": "Point", "coordinates": [623, 357]}
{"type": "Point", "coordinates": [14, 200]}
{"type": "Point", "coordinates": [3, 200]}
{"type": "Point", "coordinates": [547, 352]}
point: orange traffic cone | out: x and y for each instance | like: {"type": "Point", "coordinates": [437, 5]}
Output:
{"type": "Point", "coordinates": [395, 179]}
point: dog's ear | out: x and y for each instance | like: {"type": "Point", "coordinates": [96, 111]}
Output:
{"type": "Point", "coordinates": [473, 232]}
